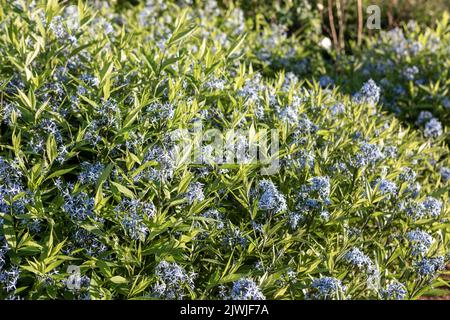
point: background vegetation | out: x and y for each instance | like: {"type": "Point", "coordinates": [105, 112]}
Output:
{"type": "Point", "coordinates": [90, 92]}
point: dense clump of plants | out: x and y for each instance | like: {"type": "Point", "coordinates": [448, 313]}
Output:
{"type": "Point", "coordinates": [411, 64]}
{"type": "Point", "coordinates": [89, 174]}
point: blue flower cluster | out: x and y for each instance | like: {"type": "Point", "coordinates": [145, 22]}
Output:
{"type": "Point", "coordinates": [9, 278]}
{"type": "Point", "coordinates": [337, 108]}
{"type": "Point", "coordinates": [216, 216]}
{"type": "Point", "coordinates": [13, 194]}
{"type": "Point", "coordinates": [327, 288]}
{"type": "Point", "coordinates": [90, 172]}
{"type": "Point", "coordinates": [445, 173]}
{"type": "Point", "coordinates": [91, 243]}
{"type": "Point", "coordinates": [134, 213]}
{"type": "Point", "coordinates": [172, 281]}
{"type": "Point", "coordinates": [295, 219]}
{"type": "Point", "coordinates": [394, 291]}
{"type": "Point", "coordinates": [386, 187]}
{"type": "Point", "coordinates": [369, 154]}
{"type": "Point", "coordinates": [3, 249]}
{"type": "Point", "coordinates": [321, 185]}
{"type": "Point", "coordinates": [428, 267]}
{"type": "Point", "coordinates": [433, 206]}
{"type": "Point", "coordinates": [165, 160]}
{"type": "Point", "coordinates": [432, 126]}
{"type": "Point", "coordinates": [410, 72]}
{"type": "Point", "coordinates": [79, 205]}
{"type": "Point", "coordinates": [234, 237]}
{"type": "Point", "coordinates": [246, 289]}
{"type": "Point", "coordinates": [313, 198]}
{"type": "Point", "coordinates": [358, 259]}
{"type": "Point", "coordinates": [407, 175]}
{"type": "Point", "coordinates": [160, 112]}
{"type": "Point", "coordinates": [252, 87]}
{"type": "Point", "coordinates": [195, 193]}
{"type": "Point", "coordinates": [430, 207]}
{"type": "Point", "coordinates": [271, 199]}
{"type": "Point", "coordinates": [369, 93]}
{"type": "Point", "coordinates": [420, 241]}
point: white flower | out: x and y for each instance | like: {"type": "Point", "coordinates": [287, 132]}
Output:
{"type": "Point", "coordinates": [326, 43]}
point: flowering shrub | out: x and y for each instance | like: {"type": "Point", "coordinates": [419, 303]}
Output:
{"type": "Point", "coordinates": [411, 65]}
{"type": "Point", "coordinates": [89, 174]}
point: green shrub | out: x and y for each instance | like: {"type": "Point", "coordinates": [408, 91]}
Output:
{"type": "Point", "coordinates": [89, 177]}
{"type": "Point", "coordinates": [411, 64]}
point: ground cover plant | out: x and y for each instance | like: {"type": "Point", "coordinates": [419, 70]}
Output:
{"type": "Point", "coordinates": [410, 63]}
{"type": "Point", "coordinates": [91, 179]}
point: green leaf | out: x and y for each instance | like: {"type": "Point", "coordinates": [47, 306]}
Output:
{"type": "Point", "coordinates": [118, 280]}
{"type": "Point", "coordinates": [124, 190]}
{"type": "Point", "coordinates": [52, 151]}
{"type": "Point", "coordinates": [236, 45]}
{"type": "Point", "coordinates": [9, 231]}
{"type": "Point", "coordinates": [61, 172]}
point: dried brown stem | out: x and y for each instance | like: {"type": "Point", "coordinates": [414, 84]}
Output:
{"type": "Point", "coordinates": [332, 27]}
{"type": "Point", "coordinates": [360, 22]}
{"type": "Point", "coordinates": [340, 8]}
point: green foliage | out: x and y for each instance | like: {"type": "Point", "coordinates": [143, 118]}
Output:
{"type": "Point", "coordinates": [89, 97]}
